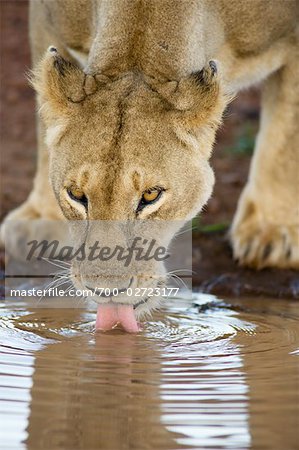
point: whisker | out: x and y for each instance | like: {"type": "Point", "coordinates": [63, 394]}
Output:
{"type": "Point", "coordinates": [180, 271]}
{"type": "Point", "coordinates": [61, 264]}
{"type": "Point", "coordinates": [186, 230]}
{"type": "Point", "coordinates": [55, 283]}
{"type": "Point", "coordinates": [177, 278]}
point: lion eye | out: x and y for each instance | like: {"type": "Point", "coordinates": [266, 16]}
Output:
{"type": "Point", "coordinates": [78, 195]}
{"type": "Point", "coordinates": [148, 197]}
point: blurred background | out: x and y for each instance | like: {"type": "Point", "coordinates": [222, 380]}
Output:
{"type": "Point", "coordinates": [214, 269]}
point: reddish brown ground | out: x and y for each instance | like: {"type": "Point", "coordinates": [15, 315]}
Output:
{"type": "Point", "coordinates": [215, 270]}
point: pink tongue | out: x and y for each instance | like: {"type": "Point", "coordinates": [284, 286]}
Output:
{"type": "Point", "coordinates": [107, 317]}
{"type": "Point", "coordinates": [110, 315]}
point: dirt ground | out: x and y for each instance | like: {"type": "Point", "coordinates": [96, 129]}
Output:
{"type": "Point", "coordinates": [214, 268]}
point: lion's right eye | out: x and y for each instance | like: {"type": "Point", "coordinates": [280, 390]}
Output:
{"type": "Point", "coordinates": [78, 195]}
{"type": "Point", "coordinates": [149, 197]}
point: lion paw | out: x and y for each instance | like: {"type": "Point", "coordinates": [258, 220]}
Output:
{"type": "Point", "coordinates": [266, 245]}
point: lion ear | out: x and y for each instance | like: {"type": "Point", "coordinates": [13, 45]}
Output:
{"type": "Point", "coordinates": [197, 98]}
{"type": "Point", "coordinates": [60, 84]}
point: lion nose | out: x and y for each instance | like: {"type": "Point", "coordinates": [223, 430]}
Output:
{"type": "Point", "coordinates": [112, 293]}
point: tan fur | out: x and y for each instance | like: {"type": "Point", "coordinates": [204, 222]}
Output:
{"type": "Point", "coordinates": [141, 105]}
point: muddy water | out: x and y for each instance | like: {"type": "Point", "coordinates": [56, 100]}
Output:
{"type": "Point", "coordinates": [204, 373]}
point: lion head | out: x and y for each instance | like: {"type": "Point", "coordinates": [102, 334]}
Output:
{"type": "Point", "coordinates": [128, 149]}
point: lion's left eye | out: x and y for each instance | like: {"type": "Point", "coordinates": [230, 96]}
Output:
{"type": "Point", "coordinates": [78, 195]}
{"type": "Point", "coordinates": [149, 197]}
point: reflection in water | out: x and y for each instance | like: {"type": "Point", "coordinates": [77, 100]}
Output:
{"type": "Point", "coordinates": [209, 408]}
{"type": "Point", "coordinates": [272, 367]}
{"type": "Point", "coordinates": [202, 374]}
{"type": "Point", "coordinates": [16, 382]}
{"type": "Point", "coordinates": [99, 393]}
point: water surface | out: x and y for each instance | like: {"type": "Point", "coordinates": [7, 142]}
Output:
{"type": "Point", "coordinates": [204, 373]}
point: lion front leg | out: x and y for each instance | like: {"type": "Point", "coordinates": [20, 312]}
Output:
{"type": "Point", "coordinates": [265, 230]}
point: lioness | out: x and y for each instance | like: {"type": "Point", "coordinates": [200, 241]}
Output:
{"type": "Point", "coordinates": [130, 95]}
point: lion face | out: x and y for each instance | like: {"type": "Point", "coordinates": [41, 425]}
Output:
{"type": "Point", "coordinates": [128, 150]}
